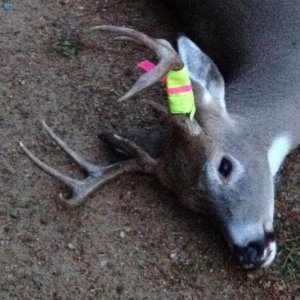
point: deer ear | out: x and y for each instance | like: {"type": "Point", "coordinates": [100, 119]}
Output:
{"type": "Point", "coordinates": [207, 80]}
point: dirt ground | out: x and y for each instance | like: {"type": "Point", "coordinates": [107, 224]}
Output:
{"type": "Point", "coordinates": [131, 239]}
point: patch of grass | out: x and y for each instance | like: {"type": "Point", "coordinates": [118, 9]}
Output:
{"type": "Point", "coordinates": [291, 252]}
{"type": "Point", "coordinates": [69, 44]}
{"type": "Point", "coordinates": [66, 48]}
{"type": "Point", "coordinates": [186, 265]}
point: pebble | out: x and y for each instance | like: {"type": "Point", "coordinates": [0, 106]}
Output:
{"type": "Point", "coordinates": [267, 284]}
{"type": "Point", "coordinates": [103, 263]}
{"type": "Point", "coordinates": [13, 215]}
{"type": "Point", "coordinates": [71, 246]}
{"type": "Point", "coordinates": [122, 234]}
{"type": "Point", "coordinates": [37, 281]}
{"type": "Point", "coordinates": [120, 289]}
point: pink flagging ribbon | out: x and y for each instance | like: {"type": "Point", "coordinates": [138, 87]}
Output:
{"type": "Point", "coordinates": [180, 89]}
{"type": "Point", "coordinates": [148, 66]}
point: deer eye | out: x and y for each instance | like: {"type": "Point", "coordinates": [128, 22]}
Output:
{"type": "Point", "coordinates": [225, 167]}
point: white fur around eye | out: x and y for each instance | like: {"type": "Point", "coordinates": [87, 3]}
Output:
{"type": "Point", "coordinates": [279, 149]}
{"type": "Point", "coordinates": [236, 173]}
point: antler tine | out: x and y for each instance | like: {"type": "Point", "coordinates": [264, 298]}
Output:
{"type": "Point", "coordinates": [132, 33]}
{"type": "Point", "coordinates": [168, 58]}
{"type": "Point", "coordinates": [149, 78]}
{"type": "Point", "coordinates": [70, 182]}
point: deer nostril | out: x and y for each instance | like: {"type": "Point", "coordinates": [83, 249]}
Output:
{"type": "Point", "coordinates": [252, 254]}
{"type": "Point", "coordinates": [255, 251]}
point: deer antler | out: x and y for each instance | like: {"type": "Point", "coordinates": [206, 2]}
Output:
{"type": "Point", "coordinates": [168, 58]}
{"type": "Point", "coordinates": [97, 175]}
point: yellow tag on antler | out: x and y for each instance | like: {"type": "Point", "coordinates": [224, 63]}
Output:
{"type": "Point", "coordinates": [180, 93]}
{"type": "Point", "coordinates": [179, 89]}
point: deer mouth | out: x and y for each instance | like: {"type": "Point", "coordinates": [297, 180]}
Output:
{"type": "Point", "coordinates": [251, 258]}
{"type": "Point", "coordinates": [266, 260]}
{"type": "Point", "coordinates": [259, 253]}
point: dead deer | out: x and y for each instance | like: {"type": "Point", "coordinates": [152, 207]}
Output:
{"type": "Point", "coordinates": [220, 164]}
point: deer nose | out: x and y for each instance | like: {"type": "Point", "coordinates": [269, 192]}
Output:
{"type": "Point", "coordinates": [260, 253]}
{"type": "Point", "coordinates": [252, 245]}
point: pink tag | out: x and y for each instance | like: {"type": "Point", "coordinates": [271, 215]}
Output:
{"type": "Point", "coordinates": [148, 66]}
{"type": "Point", "coordinates": [180, 89]}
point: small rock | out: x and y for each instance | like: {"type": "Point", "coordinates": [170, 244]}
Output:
{"type": "Point", "coordinates": [173, 255]}
{"type": "Point", "coordinates": [27, 237]}
{"type": "Point", "coordinates": [43, 221]}
{"type": "Point", "coordinates": [37, 281]}
{"type": "Point", "coordinates": [103, 263]}
{"type": "Point", "coordinates": [122, 234]}
{"type": "Point", "coordinates": [120, 289]}
{"type": "Point", "coordinates": [267, 284]}
{"type": "Point", "coordinates": [71, 246]}
{"type": "Point", "coordinates": [13, 215]}
{"type": "Point", "coordinates": [281, 287]}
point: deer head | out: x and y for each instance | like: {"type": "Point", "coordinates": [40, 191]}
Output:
{"type": "Point", "coordinates": [215, 164]}
{"type": "Point", "coordinates": [227, 163]}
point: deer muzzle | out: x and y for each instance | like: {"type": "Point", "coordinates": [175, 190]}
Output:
{"type": "Point", "coordinates": [258, 253]}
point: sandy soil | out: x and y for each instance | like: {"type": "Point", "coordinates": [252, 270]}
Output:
{"type": "Point", "coordinates": [131, 239]}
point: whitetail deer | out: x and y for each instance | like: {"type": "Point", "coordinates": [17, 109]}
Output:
{"type": "Point", "coordinates": [223, 162]}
